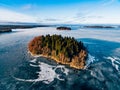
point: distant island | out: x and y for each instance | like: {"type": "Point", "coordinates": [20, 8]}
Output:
{"type": "Point", "coordinates": [96, 26]}
{"type": "Point", "coordinates": [8, 28]}
{"type": "Point", "coordinates": [64, 50]}
{"type": "Point", "coordinates": [5, 30]}
{"type": "Point", "coordinates": [63, 28]}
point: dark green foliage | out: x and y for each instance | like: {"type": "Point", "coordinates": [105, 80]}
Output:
{"type": "Point", "coordinates": [63, 28]}
{"type": "Point", "coordinates": [65, 45]}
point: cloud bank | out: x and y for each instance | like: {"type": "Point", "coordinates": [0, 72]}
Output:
{"type": "Point", "coordinates": [11, 16]}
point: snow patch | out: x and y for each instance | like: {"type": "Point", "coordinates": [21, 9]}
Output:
{"type": "Point", "coordinates": [47, 73]}
{"type": "Point", "coordinates": [90, 60]}
{"type": "Point", "coordinates": [115, 62]}
{"type": "Point", "coordinates": [33, 61]}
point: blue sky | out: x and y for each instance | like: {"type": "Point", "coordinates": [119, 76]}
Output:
{"type": "Point", "coordinates": [61, 11]}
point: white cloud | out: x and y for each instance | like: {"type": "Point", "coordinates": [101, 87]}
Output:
{"type": "Point", "coordinates": [108, 2]}
{"type": "Point", "coordinates": [98, 14]}
{"type": "Point", "coordinates": [27, 7]}
{"type": "Point", "coordinates": [11, 16]}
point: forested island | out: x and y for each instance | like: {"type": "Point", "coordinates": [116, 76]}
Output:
{"type": "Point", "coordinates": [64, 50]}
{"type": "Point", "coordinates": [5, 30]}
{"type": "Point", "coordinates": [96, 26]}
{"type": "Point", "coordinates": [8, 28]}
{"type": "Point", "coordinates": [63, 28]}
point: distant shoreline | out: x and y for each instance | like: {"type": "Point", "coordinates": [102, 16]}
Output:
{"type": "Point", "coordinates": [8, 28]}
{"type": "Point", "coordinates": [98, 26]}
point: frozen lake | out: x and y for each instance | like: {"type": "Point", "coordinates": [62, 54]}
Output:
{"type": "Point", "coordinates": [19, 70]}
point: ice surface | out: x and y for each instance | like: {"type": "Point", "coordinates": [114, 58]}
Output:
{"type": "Point", "coordinates": [109, 35]}
{"type": "Point", "coordinates": [106, 72]}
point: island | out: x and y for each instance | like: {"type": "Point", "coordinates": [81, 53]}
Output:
{"type": "Point", "coordinates": [63, 28]}
{"type": "Point", "coordinates": [5, 30]}
{"type": "Point", "coordinates": [63, 50]}
{"type": "Point", "coordinates": [8, 28]}
{"type": "Point", "coordinates": [96, 26]}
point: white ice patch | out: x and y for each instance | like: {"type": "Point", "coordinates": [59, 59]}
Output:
{"type": "Point", "coordinates": [47, 73]}
{"type": "Point", "coordinates": [115, 62]}
{"type": "Point", "coordinates": [33, 61]}
{"type": "Point", "coordinates": [34, 65]}
{"type": "Point", "coordinates": [90, 60]}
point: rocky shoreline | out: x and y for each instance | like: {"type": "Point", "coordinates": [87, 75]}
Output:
{"type": "Point", "coordinates": [81, 65]}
